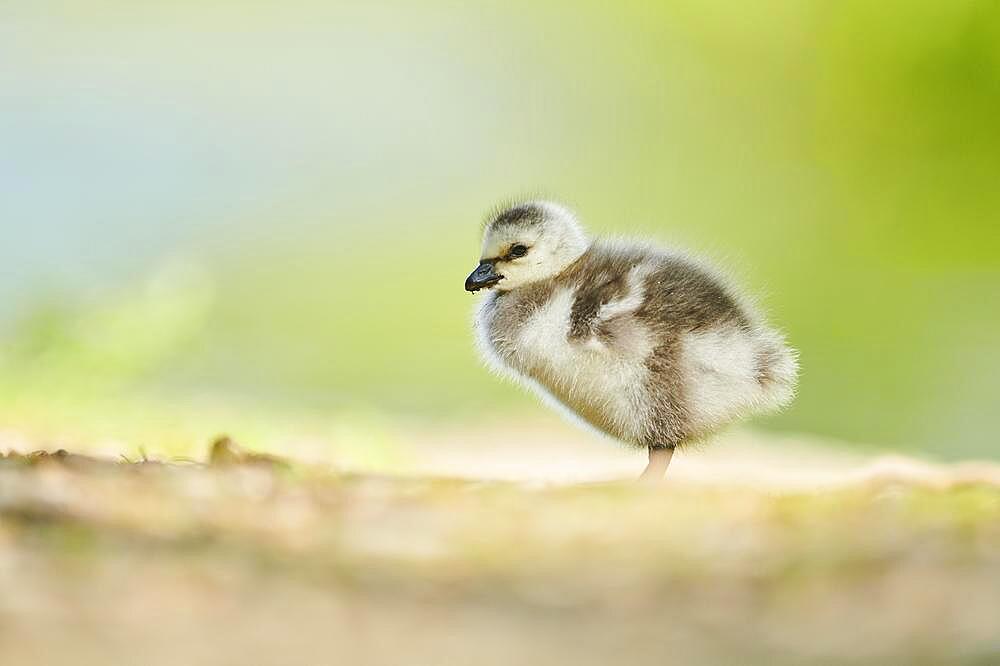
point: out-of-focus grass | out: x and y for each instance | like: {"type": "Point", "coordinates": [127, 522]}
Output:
{"type": "Point", "coordinates": [218, 564]}
{"type": "Point", "coordinates": [138, 425]}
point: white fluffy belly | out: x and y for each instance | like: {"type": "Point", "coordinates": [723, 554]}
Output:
{"type": "Point", "coordinates": [602, 384]}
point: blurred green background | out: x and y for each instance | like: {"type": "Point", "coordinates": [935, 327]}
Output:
{"type": "Point", "coordinates": [213, 211]}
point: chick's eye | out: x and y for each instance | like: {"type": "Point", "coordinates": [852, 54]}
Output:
{"type": "Point", "coordinates": [518, 251]}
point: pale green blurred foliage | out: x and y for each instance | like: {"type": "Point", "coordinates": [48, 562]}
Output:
{"type": "Point", "coordinates": [843, 158]}
{"type": "Point", "coordinates": [114, 343]}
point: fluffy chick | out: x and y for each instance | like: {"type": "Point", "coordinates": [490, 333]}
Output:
{"type": "Point", "coordinates": [645, 344]}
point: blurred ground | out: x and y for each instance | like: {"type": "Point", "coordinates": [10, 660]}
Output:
{"type": "Point", "coordinates": [756, 551]}
{"type": "Point", "coordinates": [548, 451]}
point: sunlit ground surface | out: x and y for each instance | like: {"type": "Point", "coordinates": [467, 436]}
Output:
{"type": "Point", "coordinates": [497, 544]}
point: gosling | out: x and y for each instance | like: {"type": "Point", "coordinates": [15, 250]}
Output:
{"type": "Point", "coordinates": [644, 344]}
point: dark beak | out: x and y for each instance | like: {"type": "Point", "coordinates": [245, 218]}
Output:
{"type": "Point", "coordinates": [484, 277]}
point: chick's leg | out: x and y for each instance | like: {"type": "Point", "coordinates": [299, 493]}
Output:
{"type": "Point", "coordinates": [659, 460]}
